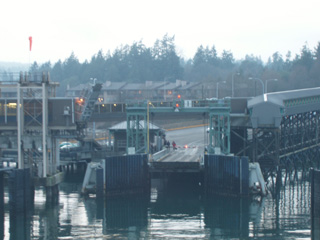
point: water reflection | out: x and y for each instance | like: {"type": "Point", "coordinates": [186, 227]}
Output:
{"type": "Point", "coordinates": [176, 212]}
{"type": "Point", "coordinates": [171, 211]}
{"type": "Point", "coordinates": [126, 217]}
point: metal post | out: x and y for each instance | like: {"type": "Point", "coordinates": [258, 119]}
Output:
{"type": "Point", "coordinates": [233, 83]}
{"type": "Point", "coordinates": [228, 134]}
{"type": "Point", "coordinates": [267, 83]}
{"type": "Point", "coordinates": [312, 201]}
{"type": "Point", "coordinates": [72, 111]}
{"type": "Point", "coordinates": [262, 84]}
{"type": "Point", "coordinates": [5, 112]}
{"type": "Point", "coordinates": [44, 130]}
{"type": "Point", "coordinates": [148, 140]}
{"type": "Point", "coordinates": [164, 90]}
{"type": "Point", "coordinates": [210, 132]}
{"type": "Point", "coordinates": [217, 92]}
{"type": "Point", "coordinates": [317, 127]}
{"type": "Point", "coordinates": [217, 89]}
{"type": "Point", "coordinates": [137, 131]}
{"type": "Point", "coordinates": [20, 127]}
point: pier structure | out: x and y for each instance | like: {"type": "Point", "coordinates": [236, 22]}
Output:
{"type": "Point", "coordinates": [32, 124]}
{"type": "Point", "coordinates": [277, 130]}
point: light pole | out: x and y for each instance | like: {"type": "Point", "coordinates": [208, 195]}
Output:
{"type": "Point", "coordinates": [250, 78]}
{"type": "Point", "coordinates": [268, 81]}
{"type": "Point", "coordinates": [164, 89]}
{"type": "Point", "coordinates": [217, 89]}
{"type": "Point", "coordinates": [233, 83]}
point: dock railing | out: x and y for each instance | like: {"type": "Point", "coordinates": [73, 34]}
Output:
{"type": "Point", "coordinates": [158, 155]}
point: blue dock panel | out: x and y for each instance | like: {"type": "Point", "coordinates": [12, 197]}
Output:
{"type": "Point", "coordinates": [226, 175]}
{"type": "Point", "coordinates": [127, 173]}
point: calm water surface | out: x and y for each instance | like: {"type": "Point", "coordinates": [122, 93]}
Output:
{"type": "Point", "coordinates": [166, 213]}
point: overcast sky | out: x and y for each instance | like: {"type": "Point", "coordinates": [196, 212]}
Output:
{"type": "Point", "coordinates": [61, 27]}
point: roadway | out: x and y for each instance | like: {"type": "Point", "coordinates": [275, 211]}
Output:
{"type": "Point", "coordinates": [190, 144]}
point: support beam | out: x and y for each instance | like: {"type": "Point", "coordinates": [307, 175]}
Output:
{"type": "Point", "coordinates": [20, 127]}
{"type": "Point", "coordinates": [44, 130]}
{"type": "Point", "coordinates": [219, 133]}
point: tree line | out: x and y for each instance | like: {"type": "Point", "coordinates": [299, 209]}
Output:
{"type": "Point", "coordinates": [137, 63]}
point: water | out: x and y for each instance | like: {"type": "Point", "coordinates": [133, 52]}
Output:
{"type": "Point", "coordinates": [166, 213]}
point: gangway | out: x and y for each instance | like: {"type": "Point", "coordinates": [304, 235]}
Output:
{"type": "Point", "coordinates": [90, 102]}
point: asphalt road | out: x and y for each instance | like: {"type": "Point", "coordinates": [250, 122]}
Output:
{"type": "Point", "coordinates": [190, 144]}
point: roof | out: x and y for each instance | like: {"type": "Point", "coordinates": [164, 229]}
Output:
{"type": "Point", "coordinates": [149, 85]}
{"type": "Point", "coordinates": [123, 126]}
{"type": "Point", "coordinates": [172, 86]}
{"type": "Point", "coordinates": [268, 109]}
{"type": "Point", "coordinates": [79, 87]}
{"type": "Point", "coordinates": [113, 86]}
{"type": "Point", "coordinates": [190, 85]}
{"type": "Point", "coordinates": [279, 98]}
{"type": "Point", "coordinates": [134, 86]}
{"type": "Point", "coordinates": [156, 85]}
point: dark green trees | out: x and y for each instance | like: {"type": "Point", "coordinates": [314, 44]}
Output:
{"type": "Point", "coordinates": [138, 63]}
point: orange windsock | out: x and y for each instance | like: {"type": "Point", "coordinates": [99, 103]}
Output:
{"type": "Point", "coordinates": [30, 42]}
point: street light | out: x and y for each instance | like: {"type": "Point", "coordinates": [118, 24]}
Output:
{"type": "Point", "coordinates": [250, 78]}
{"type": "Point", "coordinates": [217, 89]}
{"type": "Point", "coordinates": [233, 83]}
{"type": "Point", "coordinates": [268, 81]}
{"type": "Point", "coordinates": [164, 89]}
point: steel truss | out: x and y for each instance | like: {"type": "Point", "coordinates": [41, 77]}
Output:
{"type": "Point", "coordinates": [33, 142]}
{"type": "Point", "coordinates": [137, 130]}
{"type": "Point", "coordinates": [219, 125]}
{"type": "Point", "coordinates": [294, 145]}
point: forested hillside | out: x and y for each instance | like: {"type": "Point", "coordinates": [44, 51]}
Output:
{"type": "Point", "coordinates": [138, 63]}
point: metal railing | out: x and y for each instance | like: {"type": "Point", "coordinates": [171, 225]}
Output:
{"type": "Point", "coordinates": [158, 155]}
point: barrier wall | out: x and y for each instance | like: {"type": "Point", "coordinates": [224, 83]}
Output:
{"type": "Point", "coordinates": [226, 175]}
{"type": "Point", "coordinates": [126, 174]}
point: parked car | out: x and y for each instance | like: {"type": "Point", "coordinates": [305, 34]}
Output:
{"type": "Point", "coordinates": [67, 145]}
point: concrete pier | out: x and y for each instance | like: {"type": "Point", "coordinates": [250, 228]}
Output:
{"type": "Point", "coordinates": [51, 184]}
